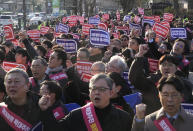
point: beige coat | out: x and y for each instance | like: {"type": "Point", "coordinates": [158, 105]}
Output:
{"type": "Point", "coordinates": [184, 122]}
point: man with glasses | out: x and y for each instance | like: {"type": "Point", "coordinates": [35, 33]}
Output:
{"type": "Point", "coordinates": [99, 114]}
{"type": "Point", "coordinates": [171, 116]}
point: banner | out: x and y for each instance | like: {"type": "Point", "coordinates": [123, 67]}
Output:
{"type": "Point", "coordinates": [44, 30]}
{"type": "Point", "coordinates": [34, 35]}
{"type": "Point", "coordinates": [149, 17]}
{"type": "Point", "coordinates": [86, 28]}
{"type": "Point", "coordinates": [63, 28]}
{"type": "Point", "coordinates": [178, 33]}
{"type": "Point", "coordinates": [94, 20]}
{"type": "Point", "coordinates": [161, 30]}
{"type": "Point", "coordinates": [141, 11]}
{"type": "Point", "coordinates": [188, 107]}
{"type": "Point", "coordinates": [168, 17]}
{"type": "Point", "coordinates": [102, 26]}
{"type": "Point", "coordinates": [8, 32]}
{"type": "Point", "coordinates": [105, 16]}
{"type": "Point", "coordinates": [70, 46]}
{"type": "Point", "coordinates": [115, 35]}
{"type": "Point", "coordinates": [75, 36]}
{"type": "Point", "coordinates": [83, 67]}
{"type": "Point", "coordinates": [99, 37]}
{"type": "Point", "coordinates": [15, 42]}
{"type": "Point", "coordinates": [9, 65]}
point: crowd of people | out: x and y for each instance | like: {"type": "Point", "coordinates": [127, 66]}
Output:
{"type": "Point", "coordinates": [37, 97]}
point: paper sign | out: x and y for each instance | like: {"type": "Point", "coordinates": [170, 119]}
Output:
{"type": "Point", "coordinates": [44, 30]}
{"type": "Point", "coordinates": [102, 26]}
{"type": "Point", "coordinates": [8, 32]}
{"type": "Point", "coordinates": [94, 20]}
{"type": "Point", "coordinates": [83, 67]}
{"type": "Point", "coordinates": [178, 33]}
{"type": "Point", "coordinates": [105, 16]}
{"type": "Point", "coordinates": [161, 30]}
{"type": "Point", "coordinates": [64, 19]}
{"type": "Point", "coordinates": [86, 77]}
{"type": "Point", "coordinates": [141, 11]}
{"type": "Point", "coordinates": [70, 46]}
{"type": "Point", "coordinates": [34, 35]}
{"type": "Point", "coordinates": [168, 17]}
{"type": "Point", "coordinates": [86, 28]}
{"type": "Point", "coordinates": [188, 107]}
{"type": "Point", "coordinates": [99, 37]}
{"type": "Point", "coordinates": [126, 18]}
{"type": "Point", "coordinates": [9, 65]}
{"type": "Point", "coordinates": [72, 20]}
{"type": "Point", "coordinates": [153, 65]}
{"type": "Point", "coordinates": [157, 19]}
{"type": "Point", "coordinates": [63, 28]}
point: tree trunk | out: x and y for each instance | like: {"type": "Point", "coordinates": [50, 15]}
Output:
{"type": "Point", "coordinates": [176, 7]}
{"type": "Point", "coordinates": [127, 5]}
{"type": "Point", "coordinates": [190, 5]}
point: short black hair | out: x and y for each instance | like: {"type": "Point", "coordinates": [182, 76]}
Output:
{"type": "Point", "coordinates": [48, 43]}
{"type": "Point", "coordinates": [23, 52]}
{"type": "Point", "coordinates": [172, 80]}
{"type": "Point", "coordinates": [53, 87]}
{"type": "Point", "coordinates": [42, 49]}
{"type": "Point", "coordinates": [2, 56]}
{"type": "Point", "coordinates": [61, 54]}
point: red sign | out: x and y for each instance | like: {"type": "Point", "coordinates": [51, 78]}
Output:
{"type": "Point", "coordinates": [149, 17]}
{"type": "Point", "coordinates": [81, 19]}
{"type": "Point", "coordinates": [15, 42]}
{"type": "Point", "coordinates": [9, 65]}
{"type": "Point", "coordinates": [86, 28]}
{"type": "Point", "coordinates": [75, 36]}
{"type": "Point", "coordinates": [34, 35]}
{"type": "Point", "coordinates": [141, 11]}
{"type": "Point", "coordinates": [86, 77]}
{"type": "Point", "coordinates": [57, 34]}
{"type": "Point", "coordinates": [137, 19]}
{"type": "Point", "coordinates": [44, 30]}
{"type": "Point", "coordinates": [8, 32]}
{"type": "Point", "coordinates": [168, 17]}
{"type": "Point", "coordinates": [161, 30]}
{"type": "Point", "coordinates": [157, 19]}
{"type": "Point", "coordinates": [72, 20]}
{"type": "Point", "coordinates": [118, 15]}
{"type": "Point", "coordinates": [83, 67]}
{"type": "Point", "coordinates": [116, 35]}
{"type": "Point", "coordinates": [102, 26]}
{"type": "Point", "coordinates": [153, 65]}
{"type": "Point", "coordinates": [165, 23]}
{"type": "Point", "coordinates": [105, 16]}
{"type": "Point", "coordinates": [64, 19]}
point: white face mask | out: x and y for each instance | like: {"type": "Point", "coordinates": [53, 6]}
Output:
{"type": "Point", "coordinates": [151, 40]}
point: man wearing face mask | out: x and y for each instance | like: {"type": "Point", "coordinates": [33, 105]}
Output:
{"type": "Point", "coordinates": [153, 52]}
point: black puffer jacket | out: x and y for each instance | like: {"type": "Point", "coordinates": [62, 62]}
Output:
{"type": "Point", "coordinates": [29, 112]}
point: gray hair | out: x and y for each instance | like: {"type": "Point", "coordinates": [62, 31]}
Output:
{"type": "Point", "coordinates": [97, 77]}
{"type": "Point", "coordinates": [19, 71]}
{"type": "Point", "coordinates": [100, 64]}
{"type": "Point", "coordinates": [119, 62]}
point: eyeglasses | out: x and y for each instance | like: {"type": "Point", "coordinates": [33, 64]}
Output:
{"type": "Point", "coordinates": [166, 95]}
{"type": "Point", "coordinates": [100, 89]}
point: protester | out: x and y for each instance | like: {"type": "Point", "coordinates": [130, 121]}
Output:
{"type": "Point", "coordinates": [171, 114]}
{"type": "Point", "coordinates": [20, 104]}
{"type": "Point", "coordinates": [102, 114]}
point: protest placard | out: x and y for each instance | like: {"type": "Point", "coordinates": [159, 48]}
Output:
{"type": "Point", "coordinates": [99, 37]}
{"type": "Point", "coordinates": [70, 46]}
{"type": "Point", "coordinates": [63, 28]}
{"type": "Point", "coordinates": [178, 33]}
{"type": "Point", "coordinates": [94, 20]}
{"type": "Point", "coordinates": [161, 30]}
{"type": "Point", "coordinates": [86, 28]}
{"type": "Point", "coordinates": [9, 65]}
{"type": "Point", "coordinates": [8, 32]}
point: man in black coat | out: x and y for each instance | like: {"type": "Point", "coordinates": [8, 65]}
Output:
{"type": "Point", "coordinates": [99, 114]}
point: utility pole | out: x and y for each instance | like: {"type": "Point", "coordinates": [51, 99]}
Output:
{"type": "Point", "coordinates": [24, 14]}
